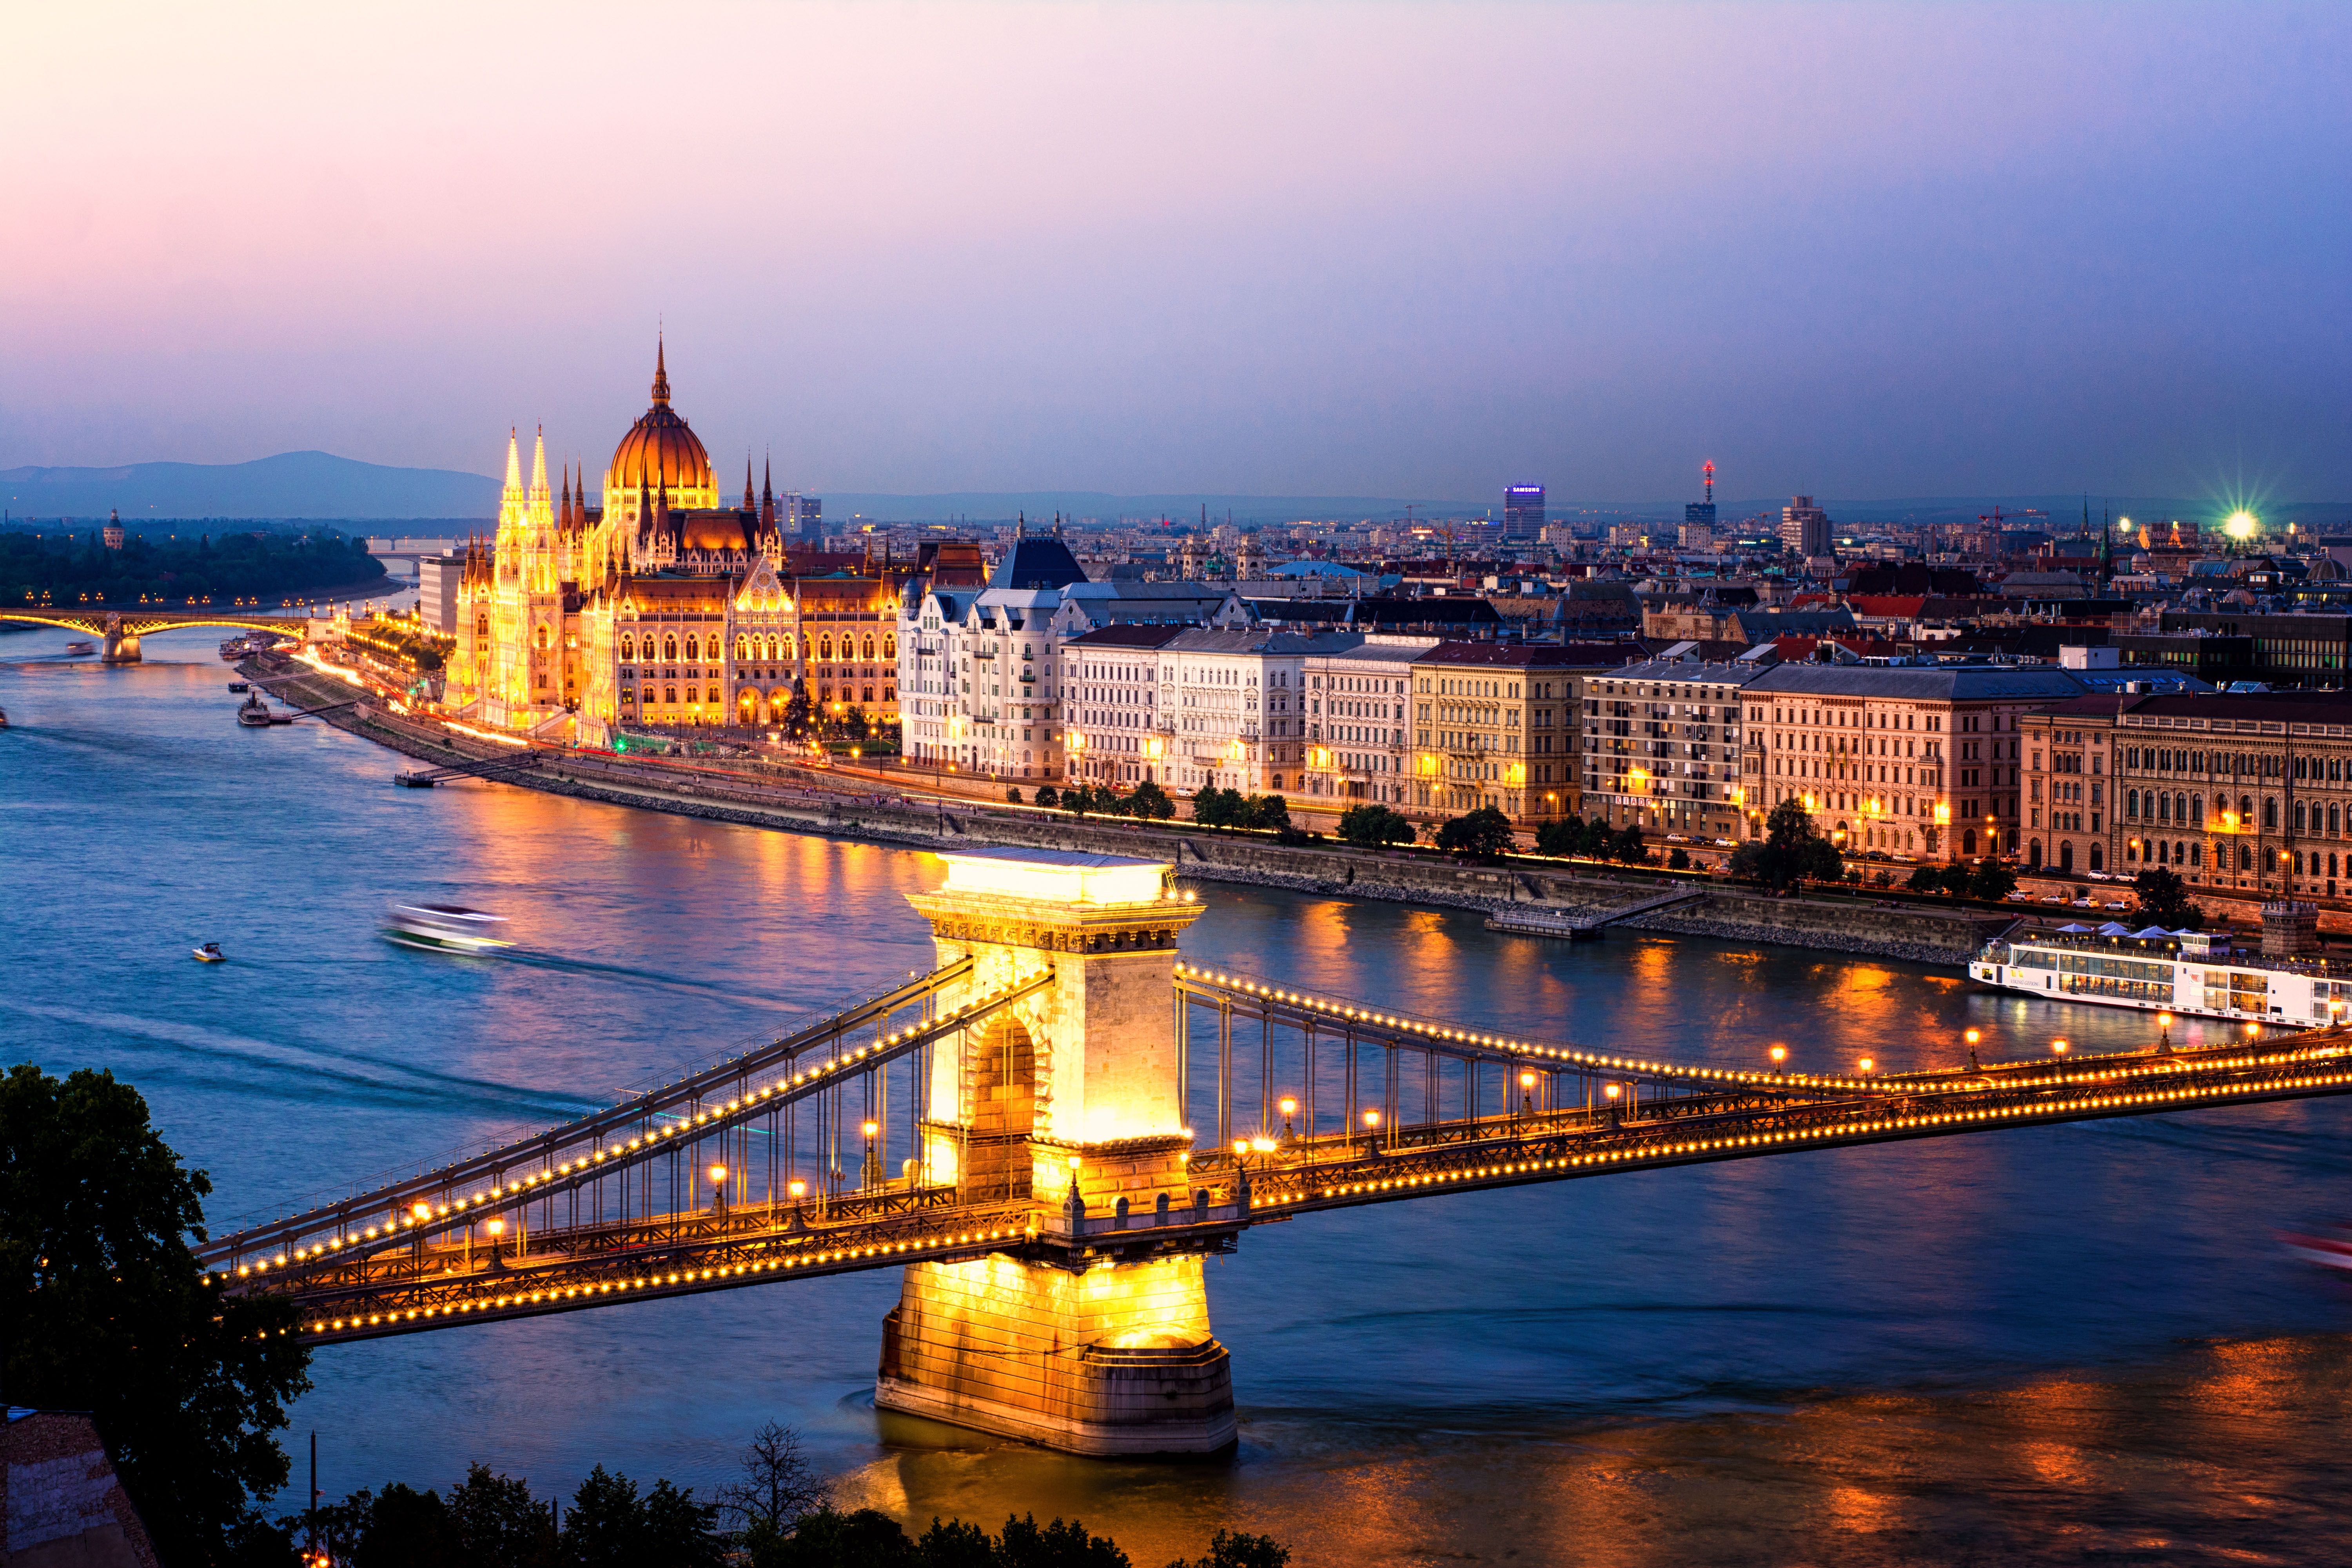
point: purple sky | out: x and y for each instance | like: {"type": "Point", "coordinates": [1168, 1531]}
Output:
{"type": "Point", "coordinates": [1879, 249]}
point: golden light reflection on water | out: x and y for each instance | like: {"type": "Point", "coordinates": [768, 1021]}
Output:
{"type": "Point", "coordinates": [2230, 1452]}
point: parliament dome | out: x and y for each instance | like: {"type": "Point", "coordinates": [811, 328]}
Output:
{"type": "Point", "coordinates": [662, 449]}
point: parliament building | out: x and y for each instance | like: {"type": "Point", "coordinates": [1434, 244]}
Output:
{"type": "Point", "coordinates": [652, 603]}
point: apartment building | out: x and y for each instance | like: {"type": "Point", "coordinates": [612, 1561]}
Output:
{"type": "Point", "coordinates": [2250, 793]}
{"type": "Point", "coordinates": [1359, 729]}
{"type": "Point", "coordinates": [1923, 761]}
{"type": "Point", "coordinates": [1663, 747]}
{"type": "Point", "coordinates": [2071, 765]}
{"type": "Point", "coordinates": [1231, 711]}
{"type": "Point", "coordinates": [1111, 690]}
{"type": "Point", "coordinates": [1495, 724]}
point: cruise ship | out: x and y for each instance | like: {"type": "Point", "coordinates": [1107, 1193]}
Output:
{"type": "Point", "coordinates": [2199, 974]}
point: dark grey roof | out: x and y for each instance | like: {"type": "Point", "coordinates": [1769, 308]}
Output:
{"type": "Point", "coordinates": [1038, 564]}
{"type": "Point", "coordinates": [1944, 683]}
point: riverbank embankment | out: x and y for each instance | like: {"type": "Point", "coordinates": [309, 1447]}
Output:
{"type": "Point", "coordinates": [812, 804]}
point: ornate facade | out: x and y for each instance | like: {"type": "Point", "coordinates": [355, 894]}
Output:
{"type": "Point", "coordinates": [659, 606]}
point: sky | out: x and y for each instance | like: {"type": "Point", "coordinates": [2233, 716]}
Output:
{"type": "Point", "coordinates": [1390, 249]}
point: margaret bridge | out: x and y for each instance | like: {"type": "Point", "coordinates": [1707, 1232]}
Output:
{"type": "Point", "coordinates": [119, 630]}
{"type": "Point", "coordinates": [1012, 1130]}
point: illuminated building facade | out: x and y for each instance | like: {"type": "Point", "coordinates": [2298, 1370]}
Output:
{"type": "Point", "coordinates": [656, 604]}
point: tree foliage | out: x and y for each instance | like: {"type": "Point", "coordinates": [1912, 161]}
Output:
{"type": "Point", "coordinates": [1483, 833]}
{"type": "Point", "coordinates": [105, 1310]}
{"type": "Point", "coordinates": [2163, 900]}
{"type": "Point", "coordinates": [1231, 1549]}
{"type": "Point", "coordinates": [1215, 807]}
{"type": "Point", "coordinates": [800, 713]}
{"type": "Point", "coordinates": [1374, 827]}
{"type": "Point", "coordinates": [68, 569]}
{"type": "Point", "coordinates": [1791, 851]}
{"type": "Point", "coordinates": [1991, 880]}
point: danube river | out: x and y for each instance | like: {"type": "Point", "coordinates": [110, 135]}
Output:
{"type": "Point", "coordinates": [2044, 1345]}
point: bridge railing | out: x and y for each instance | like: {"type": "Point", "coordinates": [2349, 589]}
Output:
{"type": "Point", "coordinates": [632, 1159]}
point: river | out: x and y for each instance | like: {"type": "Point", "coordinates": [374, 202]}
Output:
{"type": "Point", "coordinates": [2034, 1345]}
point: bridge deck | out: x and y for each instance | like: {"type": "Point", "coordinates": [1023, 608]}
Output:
{"type": "Point", "coordinates": [403, 1286]}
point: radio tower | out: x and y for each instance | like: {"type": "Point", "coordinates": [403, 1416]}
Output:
{"type": "Point", "coordinates": [1707, 468]}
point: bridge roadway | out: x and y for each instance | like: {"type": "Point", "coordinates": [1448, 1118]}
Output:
{"type": "Point", "coordinates": [419, 1269]}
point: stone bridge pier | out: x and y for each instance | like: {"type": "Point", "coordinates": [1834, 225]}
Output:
{"type": "Point", "coordinates": [1071, 1102]}
{"type": "Point", "coordinates": [121, 643]}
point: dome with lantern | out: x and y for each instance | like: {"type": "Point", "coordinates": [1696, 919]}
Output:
{"type": "Point", "coordinates": [661, 452]}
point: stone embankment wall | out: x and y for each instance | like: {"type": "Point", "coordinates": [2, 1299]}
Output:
{"type": "Point", "coordinates": [1837, 925]}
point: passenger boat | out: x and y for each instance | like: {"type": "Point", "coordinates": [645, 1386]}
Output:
{"type": "Point", "coordinates": [254, 713]}
{"type": "Point", "coordinates": [79, 649]}
{"type": "Point", "coordinates": [445, 928]}
{"type": "Point", "coordinates": [2198, 974]}
{"type": "Point", "coordinates": [210, 953]}
{"type": "Point", "coordinates": [241, 687]}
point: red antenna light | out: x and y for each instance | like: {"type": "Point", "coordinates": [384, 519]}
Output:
{"type": "Point", "coordinates": [1708, 469]}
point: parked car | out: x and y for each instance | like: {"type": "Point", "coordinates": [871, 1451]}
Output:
{"type": "Point", "coordinates": [2119, 904]}
{"type": "Point", "coordinates": [2086, 902]}
{"type": "Point", "coordinates": [2017, 895]}
{"type": "Point", "coordinates": [2097, 876]}
{"type": "Point", "coordinates": [2055, 898]}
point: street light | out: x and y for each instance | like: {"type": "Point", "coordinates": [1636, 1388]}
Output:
{"type": "Point", "coordinates": [1289, 1108]}
{"type": "Point", "coordinates": [1779, 1055]}
{"type": "Point", "coordinates": [1868, 1063]}
{"type": "Point", "coordinates": [2164, 1042]}
{"type": "Point", "coordinates": [1972, 1037]}
{"type": "Point", "coordinates": [718, 1174]}
{"type": "Point", "coordinates": [1528, 1093]}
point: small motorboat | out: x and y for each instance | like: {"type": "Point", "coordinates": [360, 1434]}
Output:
{"type": "Point", "coordinates": [79, 649]}
{"type": "Point", "coordinates": [239, 687]}
{"type": "Point", "coordinates": [445, 928]}
{"type": "Point", "coordinates": [210, 953]}
{"type": "Point", "coordinates": [2330, 1248]}
{"type": "Point", "coordinates": [253, 712]}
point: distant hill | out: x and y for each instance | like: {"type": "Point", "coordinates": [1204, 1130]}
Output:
{"type": "Point", "coordinates": [317, 484]}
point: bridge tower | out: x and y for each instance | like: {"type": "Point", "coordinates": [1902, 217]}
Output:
{"type": "Point", "coordinates": [1088, 1337]}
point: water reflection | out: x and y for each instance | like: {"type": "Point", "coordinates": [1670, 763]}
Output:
{"type": "Point", "coordinates": [1951, 1350]}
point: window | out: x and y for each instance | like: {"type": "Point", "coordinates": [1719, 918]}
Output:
{"type": "Point", "coordinates": [670, 651]}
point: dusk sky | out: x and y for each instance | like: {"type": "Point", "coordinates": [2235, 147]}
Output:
{"type": "Point", "coordinates": [1398, 249]}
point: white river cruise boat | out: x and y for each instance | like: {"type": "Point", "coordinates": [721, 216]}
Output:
{"type": "Point", "coordinates": [2198, 974]}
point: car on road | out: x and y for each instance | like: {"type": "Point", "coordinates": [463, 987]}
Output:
{"type": "Point", "coordinates": [2054, 899]}
{"type": "Point", "coordinates": [2017, 895]}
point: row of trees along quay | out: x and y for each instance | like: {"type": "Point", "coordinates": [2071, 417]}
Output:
{"type": "Point", "coordinates": [72, 571]}
{"type": "Point", "coordinates": [107, 1310]}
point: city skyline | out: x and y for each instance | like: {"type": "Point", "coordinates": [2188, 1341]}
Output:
{"type": "Point", "coordinates": [1302, 251]}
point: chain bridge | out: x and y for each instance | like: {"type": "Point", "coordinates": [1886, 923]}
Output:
{"type": "Point", "coordinates": [1013, 1130]}
{"type": "Point", "coordinates": [120, 630]}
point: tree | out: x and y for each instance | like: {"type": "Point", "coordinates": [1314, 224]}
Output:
{"type": "Point", "coordinates": [1151, 802]}
{"type": "Point", "coordinates": [1678, 858]}
{"type": "Point", "coordinates": [400, 1527]}
{"type": "Point", "coordinates": [800, 715]}
{"type": "Point", "coordinates": [2163, 900]}
{"type": "Point", "coordinates": [1563, 837]}
{"type": "Point", "coordinates": [1048, 795]}
{"type": "Point", "coordinates": [1925, 879]}
{"type": "Point", "coordinates": [1791, 851]}
{"type": "Point", "coordinates": [867, 1538]}
{"type": "Point", "coordinates": [855, 725]}
{"type": "Point", "coordinates": [1025, 1544]}
{"type": "Point", "coordinates": [1013, 793]}
{"type": "Point", "coordinates": [605, 1526]}
{"type": "Point", "coordinates": [1077, 800]}
{"type": "Point", "coordinates": [1234, 1549]}
{"type": "Point", "coordinates": [780, 1486]}
{"type": "Point", "coordinates": [1215, 807]}
{"type": "Point", "coordinates": [1954, 880]}
{"type": "Point", "coordinates": [1992, 880]}
{"type": "Point", "coordinates": [500, 1525]}
{"type": "Point", "coordinates": [1628, 848]}
{"type": "Point", "coordinates": [1483, 833]}
{"type": "Point", "coordinates": [1372, 826]}
{"type": "Point", "coordinates": [1268, 813]}
{"type": "Point", "coordinates": [105, 1309]}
